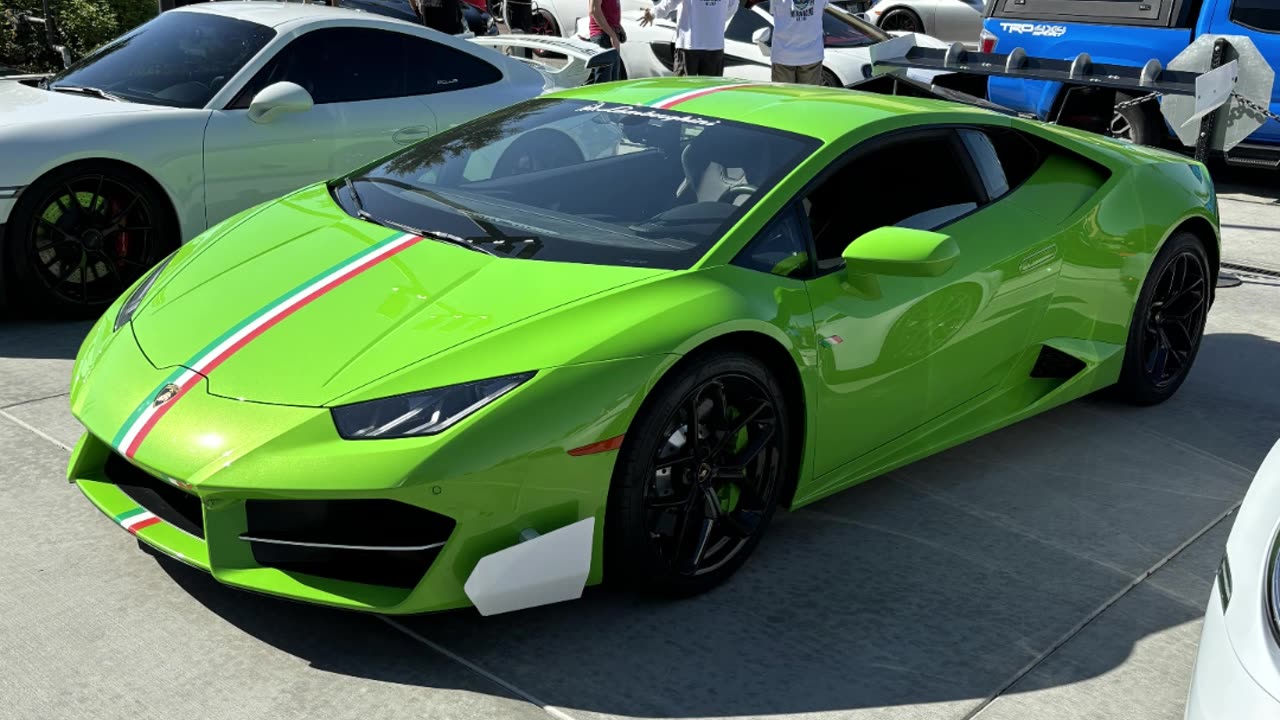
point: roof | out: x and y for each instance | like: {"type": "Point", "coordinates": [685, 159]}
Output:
{"type": "Point", "coordinates": [274, 13]}
{"type": "Point", "coordinates": [825, 113]}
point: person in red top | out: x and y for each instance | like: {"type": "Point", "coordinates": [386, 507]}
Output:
{"type": "Point", "coordinates": [605, 26]}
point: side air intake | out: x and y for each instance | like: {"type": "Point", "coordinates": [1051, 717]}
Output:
{"type": "Point", "coordinates": [1053, 363]}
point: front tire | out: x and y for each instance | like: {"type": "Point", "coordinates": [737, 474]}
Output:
{"type": "Point", "coordinates": [686, 508]}
{"type": "Point", "coordinates": [1168, 322]}
{"type": "Point", "coordinates": [81, 235]}
{"type": "Point", "coordinates": [902, 20]}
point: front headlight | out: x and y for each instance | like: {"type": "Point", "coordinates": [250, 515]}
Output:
{"type": "Point", "coordinates": [135, 298]}
{"type": "Point", "coordinates": [422, 413]}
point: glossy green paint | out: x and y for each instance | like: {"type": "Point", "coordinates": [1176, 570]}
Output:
{"type": "Point", "coordinates": [893, 365]}
{"type": "Point", "coordinates": [900, 252]}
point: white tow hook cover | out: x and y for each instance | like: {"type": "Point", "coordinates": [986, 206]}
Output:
{"type": "Point", "coordinates": [548, 569]}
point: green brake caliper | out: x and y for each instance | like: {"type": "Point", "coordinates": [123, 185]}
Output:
{"type": "Point", "coordinates": [730, 493]}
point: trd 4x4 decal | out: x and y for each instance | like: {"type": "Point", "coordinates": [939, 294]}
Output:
{"type": "Point", "coordinates": [1034, 29]}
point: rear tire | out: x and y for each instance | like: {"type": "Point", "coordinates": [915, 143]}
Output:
{"type": "Point", "coordinates": [902, 20]}
{"type": "Point", "coordinates": [1168, 322]}
{"type": "Point", "coordinates": [1136, 123]}
{"type": "Point", "coordinates": [684, 528]}
{"type": "Point", "coordinates": [81, 235]}
{"type": "Point", "coordinates": [829, 79]}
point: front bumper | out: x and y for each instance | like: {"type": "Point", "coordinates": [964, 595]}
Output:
{"type": "Point", "coordinates": [493, 482]}
{"type": "Point", "coordinates": [1221, 688]}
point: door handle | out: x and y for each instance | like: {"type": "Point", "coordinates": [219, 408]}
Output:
{"type": "Point", "coordinates": [410, 135]}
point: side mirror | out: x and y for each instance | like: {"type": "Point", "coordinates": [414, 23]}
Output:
{"type": "Point", "coordinates": [763, 38]}
{"type": "Point", "coordinates": [900, 251]}
{"type": "Point", "coordinates": [278, 99]}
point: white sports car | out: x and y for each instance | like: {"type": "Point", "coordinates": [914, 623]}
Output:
{"type": "Point", "coordinates": [203, 112]}
{"type": "Point", "coordinates": [1237, 673]}
{"type": "Point", "coordinates": [950, 20]}
{"type": "Point", "coordinates": [650, 51]}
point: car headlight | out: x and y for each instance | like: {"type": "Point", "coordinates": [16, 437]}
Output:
{"type": "Point", "coordinates": [421, 413]}
{"type": "Point", "coordinates": [135, 298]}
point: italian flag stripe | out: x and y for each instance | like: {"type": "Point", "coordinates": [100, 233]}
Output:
{"type": "Point", "coordinates": [145, 417]}
{"type": "Point", "coordinates": [670, 101]}
{"type": "Point", "coordinates": [136, 519]}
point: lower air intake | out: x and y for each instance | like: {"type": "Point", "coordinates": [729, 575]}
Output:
{"type": "Point", "coordinates": [375, 542]}
{"type": "Point", "coordinates": [1053, 363]}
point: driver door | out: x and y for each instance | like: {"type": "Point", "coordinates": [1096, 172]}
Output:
{"type": "Point", "coordinates": [358, 79]}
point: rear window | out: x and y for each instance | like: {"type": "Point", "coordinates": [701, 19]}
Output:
{"type": "Point", "coordinates": [1154, 13]}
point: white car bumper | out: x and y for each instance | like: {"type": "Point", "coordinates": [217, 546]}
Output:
{"type": "Point", "coordinates": [1221, 688]}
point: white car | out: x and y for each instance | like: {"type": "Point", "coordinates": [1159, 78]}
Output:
{"type": "Point", "coordinates": [650, 51]}
{"type": "Point", "coordinates": [203, 112]}
{"type": "Point", "coordinates": [1237, 673]}
{"type": "Point", "coordinates": [948, 20]}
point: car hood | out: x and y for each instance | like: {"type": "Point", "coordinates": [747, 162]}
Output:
{"type": "Point", "coordinates": [25, 105]}
{"type": "Point", "coordinates": [300, 304]}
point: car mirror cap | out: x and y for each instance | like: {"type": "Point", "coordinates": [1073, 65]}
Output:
{"type": "Point", "coordinates": [900, 251]}
{"type": "Point", "coordinates": [279, 99]}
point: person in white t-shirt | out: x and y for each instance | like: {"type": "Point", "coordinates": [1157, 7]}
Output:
{"type": "Point", "coordinates": [796, 52]}
{"type": "Point", "coordinates": [699, 33]}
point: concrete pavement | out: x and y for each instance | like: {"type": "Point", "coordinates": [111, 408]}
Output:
{"type": "Point", "coordinates": [1056, 569]}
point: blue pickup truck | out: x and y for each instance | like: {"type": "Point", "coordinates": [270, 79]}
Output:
{"type": "Point", "coordinates": [1126, 32]}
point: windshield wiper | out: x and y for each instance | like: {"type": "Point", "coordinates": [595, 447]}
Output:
{"type": "Point", "coordinates": [432, 234]}
{"type": "Point", "coordinates": [86, 90]}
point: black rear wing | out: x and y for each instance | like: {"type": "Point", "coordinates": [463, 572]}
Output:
{"type": "Point", "coordinates": [1204, 88]}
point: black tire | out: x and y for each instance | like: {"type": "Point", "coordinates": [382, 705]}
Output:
{"type": "Point", "coordinates": [902, 20]}
{"type": "Point", "coordinates": [829, 79]}
{"type": "Point", "coordinates": [638, 551]}
{"type": "Point", "coordinates": [1139, 124]}
{"type": "Point", "coordinates": [81, 235]}
{"type": "Point", "coordinates": [1168, 322]}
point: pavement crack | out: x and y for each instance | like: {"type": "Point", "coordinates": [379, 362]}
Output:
{"type": "Point", "coordinates": [477, 669]}
{"type": "Point", "coordinates": [33, 429]}
{"type": "Point", "coordinates": [33, 401]}
{"type": "Point", "coordinates": [1080, 626]}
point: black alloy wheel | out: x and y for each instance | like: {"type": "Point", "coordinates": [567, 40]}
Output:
{"type": "Point", "coordinates": [1175, 319]}
{"type": "Point", "coordinates": [901, 20]}
{"type": "Point", "coordinates": [81, 238]}
{"type": "Point", "coordinates": [701, 473]}
{"type": "Point", "coordinates": [1168, 322]}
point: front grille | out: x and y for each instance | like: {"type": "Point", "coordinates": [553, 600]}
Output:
{"type": "Point", "coordinates": [172, 505]}
{"type": "Point", "coordinates": [376, 542]}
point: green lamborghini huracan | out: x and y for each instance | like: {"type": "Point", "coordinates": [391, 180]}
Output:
{"type": "Point", "coordinates": [605, 334]}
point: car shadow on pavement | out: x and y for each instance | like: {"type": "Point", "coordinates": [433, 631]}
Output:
{"type": "Point", "coordinates": [58, 341]}
{"type": "Point", "coordinates": [937, 583]}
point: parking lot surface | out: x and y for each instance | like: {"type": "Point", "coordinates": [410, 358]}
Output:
{"type": "Point", "coordinates": [1056, 569]}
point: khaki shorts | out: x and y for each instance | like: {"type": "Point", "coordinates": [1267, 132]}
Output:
{"type": "Point", "coordinates": [803, 74]}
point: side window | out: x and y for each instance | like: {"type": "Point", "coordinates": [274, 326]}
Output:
{"type": "Point", "coordinates": [779, 249]}
{"type": "Point", "coordinates": [744, 23]}
{"type": "Point", "coordinates": [1262, 15]}
{"type": "Point", "coordinates": [987, 161]}
{"type": "Point", "coordinates": [340, 65]}
{"type": "Point", "coordinates": [434, 67]}
{"type": "Point", "coordinates": [923, 179]}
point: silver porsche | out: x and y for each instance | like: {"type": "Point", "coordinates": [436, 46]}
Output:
{"type": "Point", "coordinates": [948, 20]}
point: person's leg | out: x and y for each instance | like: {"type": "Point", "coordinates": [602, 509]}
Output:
{"type": "Point", "coordinates": [603, 41]}
{"type": "Point", "coordinates": [783, 73]}
{"type": "Point", "coordinates": [810, 74]}
{"type": "Point", "coordinates": [681, 62]}
{"type": "Point", "coordinates": [713, 63]}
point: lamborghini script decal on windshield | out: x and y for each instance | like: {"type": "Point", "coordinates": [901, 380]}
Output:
{"type": "Point", "coordinates": [641, 112]}
{"type": "Point", "coordinates": [155, 405]}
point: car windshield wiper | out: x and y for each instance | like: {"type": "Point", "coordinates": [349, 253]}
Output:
{"type": "Point", "coordinates": [432, 234]}
{"type": "Point", "coordinates": [86, 90]}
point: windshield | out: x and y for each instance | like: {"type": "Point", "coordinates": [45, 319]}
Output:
{"type": "Point", "coordinates": [179, 59]}
{"type": "Point", "coordinates": [578, 181]}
